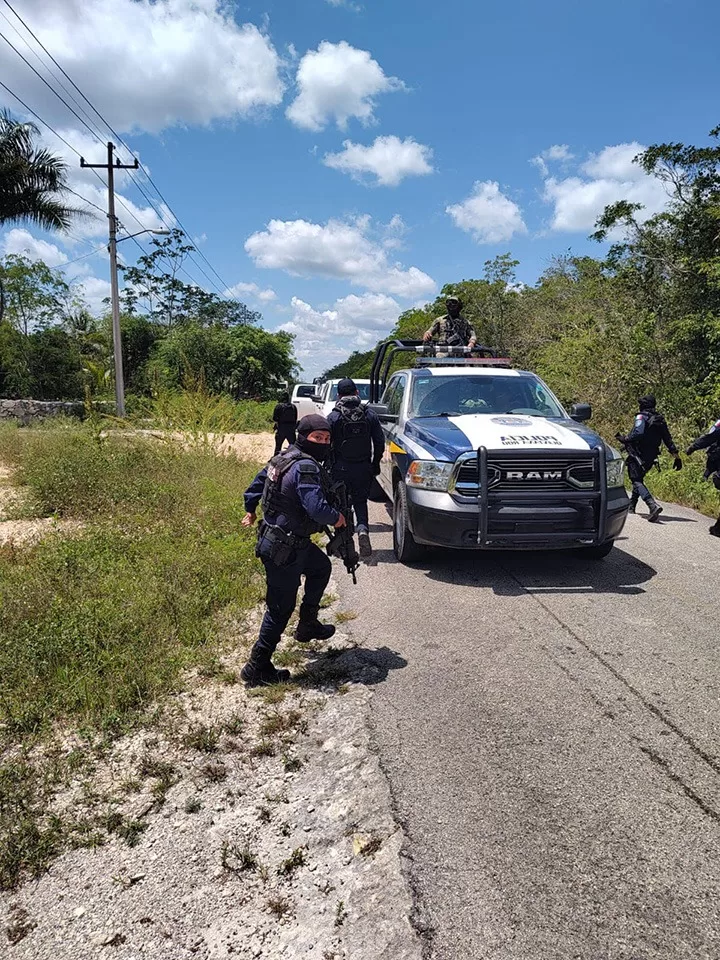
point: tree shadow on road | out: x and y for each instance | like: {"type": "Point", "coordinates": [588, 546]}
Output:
{"type": "Point", "coordinates": [513, 574]}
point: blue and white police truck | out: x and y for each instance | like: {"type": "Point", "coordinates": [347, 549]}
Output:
{"type": "Point", "coordinates": [480, 455]}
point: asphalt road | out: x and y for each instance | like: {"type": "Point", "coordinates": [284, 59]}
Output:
{"type": "Point", "coordinates": [550, 730]}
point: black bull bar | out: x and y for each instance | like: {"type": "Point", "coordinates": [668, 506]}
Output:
{"type": "Point", "coordinates": [486, 499]}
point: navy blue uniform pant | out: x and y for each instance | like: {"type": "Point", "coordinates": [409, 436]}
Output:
{"type": "Point", "coordinates": [637, 473]}
{"type": "Point", "coordinates": [284, 432]}
{"type": "Point", "coordinates": [282, 590]}
{"type": "Point", "coordinates": [357, 477]}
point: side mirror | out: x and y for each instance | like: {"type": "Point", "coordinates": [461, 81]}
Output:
{"type": "Point", "coordinates": [382, 412]}
{"type": "Point", "coordinates": [581, 412]}
{"type": "Point", "coordinates": [316, 398]}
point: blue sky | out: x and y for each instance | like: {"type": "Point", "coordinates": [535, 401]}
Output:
{"type": "Point", "coordinates": [339, 162]}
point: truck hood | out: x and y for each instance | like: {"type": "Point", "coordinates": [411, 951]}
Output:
{"type": "Point", "coordinates": [445, 438]}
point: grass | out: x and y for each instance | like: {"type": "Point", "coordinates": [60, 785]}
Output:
{"type": "Point", "coordinates": [297, 859]}
{"type": "Point", "coordinates": [203, 738]}
{"type": "Point", "coordinates": [199, 413]}
{"type": "Point", "coordinates": [687, 486]}
{"type": "Point", "coordinates": [237, 859]}
{"type": "Point", "coordinates": [96, 628]}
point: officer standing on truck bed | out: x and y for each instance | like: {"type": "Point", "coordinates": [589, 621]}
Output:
{"type": "Point", "coordinates": [295, 491]}
{"type": "Point", "coordinates": [710, 441]}
{"type": "Point", "coordinates": [285, 420]}
{"type": "Point", "coordinates": [452, 330]}
{"type": "Point", "coordinates": [358, 444]}
{"type": "Point", "coordinates": [650, 431]}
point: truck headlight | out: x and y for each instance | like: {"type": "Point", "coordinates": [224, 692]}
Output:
{"type": "Point", "coordinates": [615, 472]}
{"type": "Point", "coordinates": [429, 474]}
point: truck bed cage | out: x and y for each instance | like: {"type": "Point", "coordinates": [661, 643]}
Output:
{"type": "Point", "coordinates": [428, 354]}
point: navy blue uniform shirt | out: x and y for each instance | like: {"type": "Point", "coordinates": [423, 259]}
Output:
{"type": "Point", "coordinates": [304, 487]}
{"type": "Point", "coordinates": [707, 439]}
{"type": "Point", "coordinates": [647, 438]}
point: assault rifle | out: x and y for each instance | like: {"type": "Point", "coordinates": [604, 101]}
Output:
{"type": "Point", "coordinates": [341, 542]}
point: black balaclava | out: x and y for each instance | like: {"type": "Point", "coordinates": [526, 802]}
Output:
{"type": "Point", "coordinates": [319, 451]}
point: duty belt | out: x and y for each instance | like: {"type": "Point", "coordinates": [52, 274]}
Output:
{"type": "Point", "coordinates": [274, 532]}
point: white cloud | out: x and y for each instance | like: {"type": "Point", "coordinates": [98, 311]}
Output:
{"type": "Point", "coordinates": [609, 176]}
{"type": "Point", "coordinates": [488, 214]}
{"type": "Point", "coordinates": [337, 82]}
{"type": "Point", "coordinates": [23, 243]}
{"type": "Point", "coordinates": [342, 250]}
{"type": "Point", "coordinates": [252, 290]}
{"type": "Point", "coordinates": [93, 291]}
{"type": "Point", "coordinates": [174, 61]}
{"type": "Point", "coordinates": [389, 159]}
{"type": "Point", "coordinates": [323, 337]}
{"type": "Point", "coordinates": [557, 153]}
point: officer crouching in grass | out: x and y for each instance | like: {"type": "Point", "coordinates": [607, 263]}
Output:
{"type": "Point", "coordinates": [294, 489]}
{"type": "Point", "coordinates": [358, 444]}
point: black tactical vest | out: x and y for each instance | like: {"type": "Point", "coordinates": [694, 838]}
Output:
{"type": "Point", "coordinates": [276, 500]}
{"type": "Point", "coordinates": [352, 434]}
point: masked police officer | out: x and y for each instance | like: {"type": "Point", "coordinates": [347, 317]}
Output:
{"type": "Point", "coordinates": [710, 442]}
{"type": "Point", "coordinates": [452, 330]}
{"type": "Point", "coordinates": [294, 490]}
{"type": "Point", "coordinates": [358, 444]}
{"type": "Point", "coordinates": [650, 431]}
{"type": "Point", "coordinates": [285, 420]}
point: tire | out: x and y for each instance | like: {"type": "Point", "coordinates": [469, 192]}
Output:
{"type": "Point", "coordinates": [404, 546]}
{"type": "Point", "coordinates": [598, 553]}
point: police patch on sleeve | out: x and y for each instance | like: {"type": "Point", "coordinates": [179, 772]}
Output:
{"type": "Point", "coordinates": [307, 466]}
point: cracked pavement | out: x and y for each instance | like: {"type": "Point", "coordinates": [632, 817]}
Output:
{"type": "Point", "coordinates": [552, 744]}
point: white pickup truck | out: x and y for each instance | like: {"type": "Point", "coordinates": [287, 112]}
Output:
{"type": "Point", "coordinates": [327, 397]}
{"type": "Point", "coordinates": [303, 396]}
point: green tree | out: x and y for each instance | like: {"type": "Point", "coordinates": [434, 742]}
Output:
{"type": "Point", "coordinates": [153, 287]}
{"type": "Point", "coordinates": [32, 180]}
{"type": "Point", "coordinates": [35, 294]}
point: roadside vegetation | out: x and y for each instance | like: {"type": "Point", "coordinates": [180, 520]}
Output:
{"type": "Point", "coordinates": [98, 626]}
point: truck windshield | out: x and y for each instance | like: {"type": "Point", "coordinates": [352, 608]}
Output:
{"type": "Point", "coordinates": [363, 391]}
{"type": "Point", "coordinates": [438, 396]}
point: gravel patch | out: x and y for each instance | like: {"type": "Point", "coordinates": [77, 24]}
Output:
{"type": "Point", "coordinates": [272, 838]}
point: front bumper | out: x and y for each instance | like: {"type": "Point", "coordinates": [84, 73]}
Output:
{"type": "Point", "coordinates": [521, 521]}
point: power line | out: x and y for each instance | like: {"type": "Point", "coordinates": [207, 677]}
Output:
{"type": "Point", "coordinates": [224, 285]}
{"type": "Point", "coordinates": [49, 86]}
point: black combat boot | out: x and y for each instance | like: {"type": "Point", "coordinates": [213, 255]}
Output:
{"type": "Point", "coordinates": [309, 627]}
{"type": "Point", "coordinates": [364, 542]}
{"type": "Point", "coordinates": [655, 510]}
{"type": "Point", "coordinates": [714, 530]}
{"type": "Point", "coordinates": [633, 504]}
{"type": "Point", "coordinates": [262, 674]}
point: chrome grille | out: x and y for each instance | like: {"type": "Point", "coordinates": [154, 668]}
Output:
{"type": "Point", "coordinates": [541, 472]}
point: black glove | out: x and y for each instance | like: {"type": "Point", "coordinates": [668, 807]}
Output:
{"type": "Point", "coordinates": [620, 437]}
{"type": "Point", "coordinates": [376, 469]}
{"type": "Point", "coordinates": [677, 463]}
{"type": "Point", "coordinates": [690, 450]}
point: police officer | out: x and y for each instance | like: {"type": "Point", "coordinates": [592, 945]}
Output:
{"type": "Point", "coordinates": [453, 329]}
{"type": "Point", "coordinates": [285, 420]}
{"type": "Point", "coordinates": [710, 441]}
{"type": "Point", "coordinates": [358, 444]}
{"type": "Point", "coordinates": [295, 492]}
{"type": "Point", "coordinates": [650, 431]}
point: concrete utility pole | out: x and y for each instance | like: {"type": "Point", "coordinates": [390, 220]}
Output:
{"type": "Point", "coordinates": [110, 167]}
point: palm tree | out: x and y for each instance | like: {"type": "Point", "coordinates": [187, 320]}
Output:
{"type": "Point", "coordinates": [32, 180]}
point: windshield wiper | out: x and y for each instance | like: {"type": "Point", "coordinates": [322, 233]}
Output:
{"type": "Point", "coordinates": [429, 416]}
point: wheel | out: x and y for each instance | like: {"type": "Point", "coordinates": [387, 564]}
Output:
{"type": "Point", "coordinates": [404, 545]}
{"type": "Point", "coordinates": [598, 553]}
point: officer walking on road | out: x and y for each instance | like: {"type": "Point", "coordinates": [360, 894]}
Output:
{"type": "Point", "coordinates": [710, 442]}
{"type": "Point", "coordinates": [650, 431]}
{"type": "Point", "coordinates": [295, 492]}
{"type": "Point", "coordinates": [452, 330]}
{"type": "Point", "coordinates": [285, 420]}
{"type": "Point", "coordinates": [358, 444]}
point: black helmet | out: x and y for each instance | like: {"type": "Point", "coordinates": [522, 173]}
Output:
{"type": "Point", "coordinates": [648, 402]}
